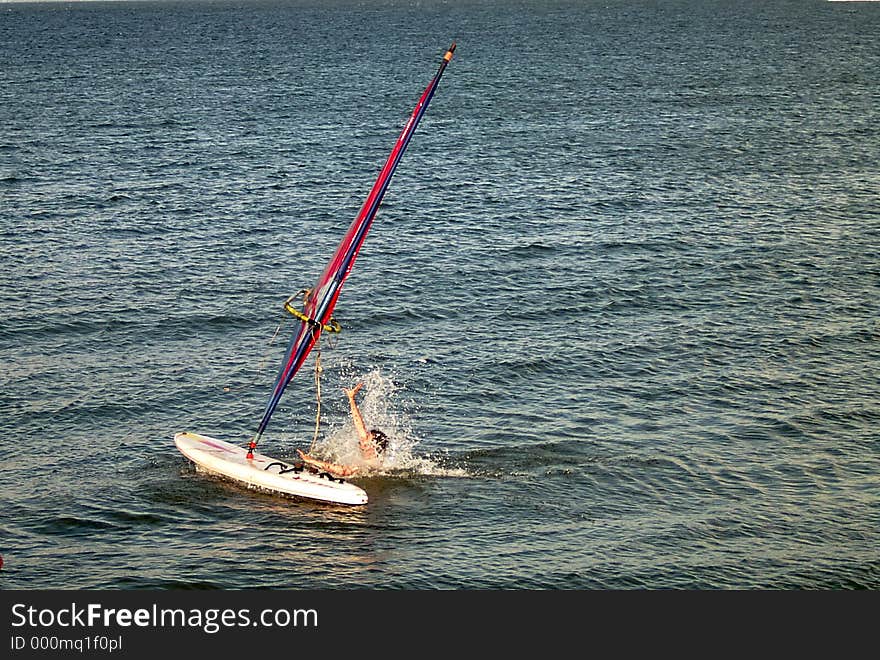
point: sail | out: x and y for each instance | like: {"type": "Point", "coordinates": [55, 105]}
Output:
{"type": "Point", "coordinates": [320, 302]}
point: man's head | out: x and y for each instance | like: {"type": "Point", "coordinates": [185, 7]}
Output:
{"type": "Point", "coordinates": [380, 440]}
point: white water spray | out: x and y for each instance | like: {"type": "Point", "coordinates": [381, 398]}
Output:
{"type": "Point", "coordinates": [382, 411]}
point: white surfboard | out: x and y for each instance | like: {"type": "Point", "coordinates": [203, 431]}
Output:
{"type": "Point", "coordinates": [264, 473]}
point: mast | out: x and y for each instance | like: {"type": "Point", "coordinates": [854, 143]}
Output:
{"type": "Point", "coordinates": [319, 303]}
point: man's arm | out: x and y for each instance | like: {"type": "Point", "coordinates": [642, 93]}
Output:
{"type": "Point", "coordinates": [366, 446]}
{"type": "Point", "coordinates": [332, 468]}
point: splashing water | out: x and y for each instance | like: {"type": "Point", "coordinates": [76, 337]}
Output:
{"type": "Point", "coordinates": [380, 410]}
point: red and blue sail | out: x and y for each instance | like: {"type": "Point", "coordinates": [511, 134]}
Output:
{"type": "Point", "coordinates": [319, 304]}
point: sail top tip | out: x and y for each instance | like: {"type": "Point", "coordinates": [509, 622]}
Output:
{"type": "Point", "coordinates": [449, 52]}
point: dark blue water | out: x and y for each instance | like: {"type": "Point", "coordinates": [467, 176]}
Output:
{"type": "Point", "coordinates": [619, 312]}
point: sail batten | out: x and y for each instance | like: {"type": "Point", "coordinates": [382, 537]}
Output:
{"type": "Point", "coordinates": [319, 304]}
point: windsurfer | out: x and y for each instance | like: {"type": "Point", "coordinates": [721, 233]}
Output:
{"type": "Point", "coordinates": [372, 444]}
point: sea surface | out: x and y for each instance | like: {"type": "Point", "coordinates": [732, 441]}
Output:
{"type": "Point", "coordinates": [619, 313]}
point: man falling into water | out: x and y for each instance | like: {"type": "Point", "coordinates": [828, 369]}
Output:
{"type": "Point", "coordinates": [371, 443]}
